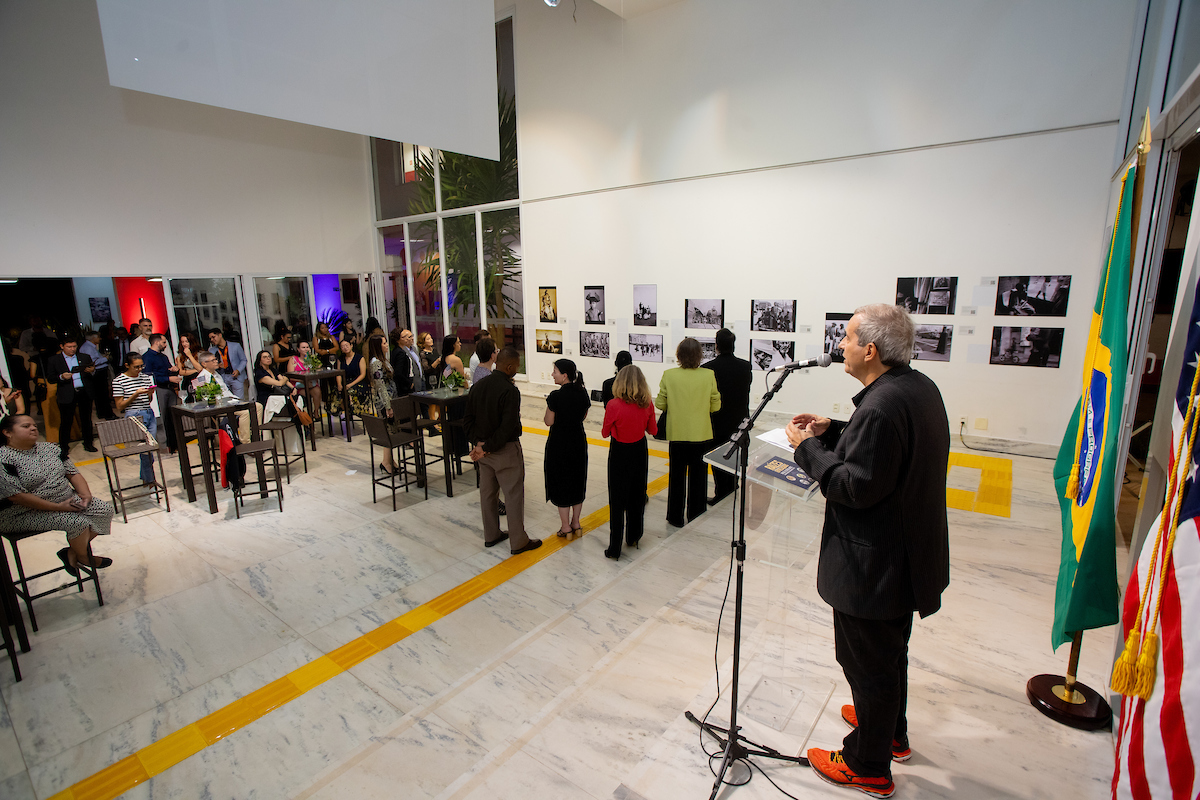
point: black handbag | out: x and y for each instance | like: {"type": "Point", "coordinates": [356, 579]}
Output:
{"type": "Point", "coordinates": [662, 427]}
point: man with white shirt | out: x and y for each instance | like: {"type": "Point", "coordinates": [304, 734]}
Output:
{"type": "Point", "coordinates": [142, 343]}
{"type": "Point", "coordinates": [406, 365]}
{"type": "Point", "coordinates": [102, 378]}
{"type": "Point", "coordinates": [73, 372]}
{"type": "Point", "coordinates": [209, 364]}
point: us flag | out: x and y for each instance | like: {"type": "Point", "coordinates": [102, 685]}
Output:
{"type": "Point", "coordinates": [1158, 741]}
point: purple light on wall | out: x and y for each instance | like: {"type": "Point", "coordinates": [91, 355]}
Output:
{"type": "Point", "coordinates": [328, 294]}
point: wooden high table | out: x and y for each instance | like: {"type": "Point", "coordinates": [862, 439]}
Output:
{"type": "Point", "coordinates": [445, 399]}
{"type": "Point", "coordinates": [311, 378]}
{"type": "Point", "coordinates": [199, 412]}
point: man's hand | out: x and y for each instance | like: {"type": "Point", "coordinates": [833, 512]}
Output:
{"type": "Point", "coordinates": [236, 373]}
{"type": "Point", "coordinates": [66, 376]}
{"type": "Point", "coordinates": [819, 424]}
{"type": "Point", "coordinates": [477, 452]}
{"type": "Point", "coordinates": [175, 379]}
{"type": "Point", "coordinates": [89, 370]}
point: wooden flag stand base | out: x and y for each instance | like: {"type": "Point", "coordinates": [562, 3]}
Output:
{"type": "Point", "coordinates": [1066, 701]}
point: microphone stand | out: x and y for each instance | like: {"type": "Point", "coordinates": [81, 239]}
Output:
{"type": "Point", "coordinates": [735, 745]}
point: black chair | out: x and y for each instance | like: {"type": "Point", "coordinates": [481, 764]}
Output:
{"type": "Point", "coordinates": [380, 434]}
{"type": "Point", "coordinates": [124, 438]}
{"type": "Point", "coordinates": [9, 644]}
{"type": "Point", "coordinates": [281, 426]}
{"type": "Point", "coordinates": [260, 451]}
{"type": "Point", "coordinates": [406, 418]}
{"type": "Point", "coordinates": [21, 583]}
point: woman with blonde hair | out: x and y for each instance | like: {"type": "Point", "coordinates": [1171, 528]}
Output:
{"type": "Point", "coordinates": [628, 417]}
{"type": "Point", "coordinates": [689, 396]}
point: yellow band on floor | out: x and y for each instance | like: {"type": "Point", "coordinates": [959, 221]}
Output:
{"type": "Point", "coordinates": [156, 758]}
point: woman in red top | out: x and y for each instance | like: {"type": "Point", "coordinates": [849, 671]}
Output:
{"type": "Point", "coordinates": [628, 417]}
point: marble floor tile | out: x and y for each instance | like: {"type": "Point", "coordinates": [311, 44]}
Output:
{"type": "Point", "coordinates": [82, 684]}
{"type": "Point", "coordinates": [518, 778]}
{"type": "Point", "coordinates": [11, 761]}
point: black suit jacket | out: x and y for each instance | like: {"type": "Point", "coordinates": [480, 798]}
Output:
{"type": "Point", "coordinates": [884, 548]}
{"type": "Point", "coordinates": [66, 389]}
{"type": "Point", "coordinates": [734, 376]}
{"type": "Point", "coordinates": [402, 371]}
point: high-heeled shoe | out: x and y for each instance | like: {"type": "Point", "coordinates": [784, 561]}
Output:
{"type": "Point", "coordinates": [386, 471]}
{"type": "Point", "coordinates": [607, 554]}
{"type": "Point", "coordinates": [577, 530]}
{"type": "Point", "coordinates": [564, 534]}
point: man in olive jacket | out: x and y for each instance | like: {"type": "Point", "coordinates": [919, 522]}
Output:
{"type": "Point", "coordinates": [884, 546]}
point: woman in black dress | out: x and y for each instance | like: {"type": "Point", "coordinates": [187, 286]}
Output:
{"type": "Point", "coordinates": [566, 447]}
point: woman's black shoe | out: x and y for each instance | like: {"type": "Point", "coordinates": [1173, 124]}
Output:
{"type": "Point", "coordinates": [608, 554]}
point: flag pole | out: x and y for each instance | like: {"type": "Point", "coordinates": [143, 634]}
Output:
{"type": "Point", "coordinates": [1065, 700]}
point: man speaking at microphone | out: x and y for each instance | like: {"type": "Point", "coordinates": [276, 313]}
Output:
{"type": "Point", "coordinates": [884, 545]}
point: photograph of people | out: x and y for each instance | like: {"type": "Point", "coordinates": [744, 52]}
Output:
{"type": "Point", "coordinates": [547, 304]}
{"type": "Point", "coordinates": [593, 309]}
{"type": "Point", "coordinates": [645, 305]}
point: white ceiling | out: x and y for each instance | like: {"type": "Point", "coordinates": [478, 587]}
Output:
{"type": "Point", "coordinates": [628, 9]}
{"type": "Point", "coordinates": [421, 71]}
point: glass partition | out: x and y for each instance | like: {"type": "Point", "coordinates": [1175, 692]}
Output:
{"type": "Point", "coordinates": [395, 279]}
{"type": "Point", "coordinates": [462, 280]}
{"type": "Point", "coordinates": [283, 304]}
{"type": "Point", "coordinates": [202, 304]}
{"type": "Point", "coordinates": [503, 287]}
{"type": "Point", "coordinates": [427, 279]}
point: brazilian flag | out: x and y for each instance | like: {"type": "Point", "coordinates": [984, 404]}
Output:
{"type": "Point", "coordinates": [1084, 473]}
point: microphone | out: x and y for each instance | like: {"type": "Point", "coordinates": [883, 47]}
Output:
{"type": "Point", "coordinates": [823, 360]}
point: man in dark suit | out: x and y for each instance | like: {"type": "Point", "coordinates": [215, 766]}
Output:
{"type": "Point", "coordinates": [884, 546]}
{"type": "Point", "coordinates": [73, 371]}
{"type": "Point", "coordinates": [406, 365]}
{"type": "Point", "coordinates": [734, 377]}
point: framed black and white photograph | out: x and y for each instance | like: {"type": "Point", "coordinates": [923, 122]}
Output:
{"type": "Point", "coordinates": [547, 304]}
{"type": "Point", "coordinates": [593, 305]}
{"type": "Point", "coordinates": [593, 344]}
{"type": "Point", "coordinates": [704, 314]}
{"type": "Point", "coordinates": [645, 304]}
{"type": "Point", "coordinates": [646, 347]}
{"type": "Point", "coordinates": [932, 342]}
{"type": "Point", "coordinates": [101, 309]}
{"type": "Point", "coordinates": [549, 341]}
{"type": "Point", "coordinates": [767, 354]}
{"type": "Point", "coordinates": [1027, 347]}
{"type": "Point", "coordinates": [1032, 295]}
{"type": "Point", "coordinates": [835, 331]}
{"type": "Point", "coordinates": [927, 295]}
{"type": "Point", "coordinates": [776, 316]}
{"type": "Point", "coordinates": [708, 348]}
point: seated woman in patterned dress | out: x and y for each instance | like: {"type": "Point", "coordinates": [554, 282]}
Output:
{"type": "Point", "coordinates": [42, 492]}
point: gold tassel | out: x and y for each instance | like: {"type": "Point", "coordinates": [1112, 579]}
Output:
{"type": "Point", "coordinates": [1124, 672]}
{"type": "Point", "coordinates": [1147, 667]}
{"type": "Point", "coordinates": [1073, 482]}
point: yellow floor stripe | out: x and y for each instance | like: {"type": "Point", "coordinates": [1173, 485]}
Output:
{"type": "Point", "coordinates": [156, 758]}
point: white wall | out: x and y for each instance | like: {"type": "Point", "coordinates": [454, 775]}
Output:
{"type": "Point", "coordinates": [86, 288]}
{"type": "Point", "coordinates": [96, 180]}
{"type": "Point", "coordinates": [704, 87]}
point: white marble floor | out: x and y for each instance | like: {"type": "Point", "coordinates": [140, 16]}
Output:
{"type": "Point", "coordinates": [570, 680]}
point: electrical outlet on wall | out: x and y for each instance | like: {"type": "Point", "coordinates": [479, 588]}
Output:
{"type": "Point", "coordinates": [837, 407]}
{"type": "Point", "coordinates": [962, 422]}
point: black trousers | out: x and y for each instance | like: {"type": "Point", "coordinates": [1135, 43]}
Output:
{"type": "Point", "coordinates": [723, 482]}
{"type": "Point", "coordinates": [82, 403]}
{"type": "Point", "coordinates": [687, 481]}
{"type": "Point", "coordinates": [874, 657]}
{"type": "Point", "coordinates": [628, 467]}
{"type": "Point", "coordinates": [102, 393]}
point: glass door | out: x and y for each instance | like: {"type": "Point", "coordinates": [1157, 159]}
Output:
{"type": "Point", "coordinates": [285, 310]}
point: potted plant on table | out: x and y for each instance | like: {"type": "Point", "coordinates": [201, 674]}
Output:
{"type": "Point", "coordinates": [208, 392]}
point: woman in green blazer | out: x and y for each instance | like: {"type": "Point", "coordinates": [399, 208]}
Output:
{"type": "Point", "coordinates": [689, 395]}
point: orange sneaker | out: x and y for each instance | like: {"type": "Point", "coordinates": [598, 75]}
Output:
{"type": "Point", "coordinates": [828, 764]}
{"type": "Point", "coordinates": [900, 750]}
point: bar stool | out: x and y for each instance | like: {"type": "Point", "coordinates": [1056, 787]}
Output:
{"type": "Point", "coordinates": [259, 451]}
{"type": "Point", "coordinates": [379, 434]}
{"type": "Point", "coordinates": [123, 438]}
{"type": "Point", "coordinates": [21, 584]}
{"type": "Point", "coordinates": [281, 426]}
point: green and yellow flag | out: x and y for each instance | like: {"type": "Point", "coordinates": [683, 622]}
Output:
{"type": "Point", "coordinates": [1084, 473]}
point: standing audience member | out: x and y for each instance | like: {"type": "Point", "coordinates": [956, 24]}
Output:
{"type": "Point", "coordinates": [884, 547]}
{"type": "Point", "coordinates": [493, 423]}
{"type": "Point", "coordinates": [370, 329]}
{"type": "Point", "coordinates": [231, 362]}
{"type": "Point", "coordinates": [132, 390]}
{"type": "Point", "coordinates": [485, 352]}
{"type": "Point", "coordinates": [734, 377]}
{"type": "Point", "coordinates": [324, 345]}
{"type": "Point", "coordinates": [73, 371]}
{"type": "Point", "coordinates": [689, 396]}
{"type": "Point", "coordinates": [430, 361]}
{"type": "Point", "coordinates": [624, 359]}
{"type": "Point", "coordinates": [480, 335]}
{"type": "Point", "coordinates": [188, 362]}
{"type": "Point", "coordinates": [142, 343]}
{"type": "Point", "coordinates": [44, 492]}
{"type": "Point", "coordinates": [450, 360]}
{"type": "Point", "coordinates": [355, 378]}
{"type": "Point", "coordinates": [566, 447]}
{"type": "Point", "coordinates": [383, 390]}
{"type": "Point", "coordinates": [101, 378]}
{"type": "Point", "coordinates": [160, 368]}
{"type": "Point", "coordinates": [406, 365]}
{"type": "Point", "coordinates": [628, 417]}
